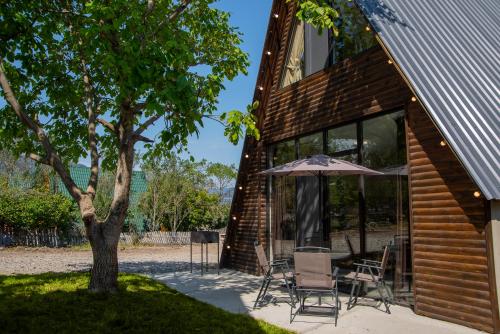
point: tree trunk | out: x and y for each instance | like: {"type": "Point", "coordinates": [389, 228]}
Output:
{"type": "Point", "coordinates": [104, 274]}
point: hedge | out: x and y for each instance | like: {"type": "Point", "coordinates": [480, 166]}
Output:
{"type": "Point", "coordinates": [28, 210]}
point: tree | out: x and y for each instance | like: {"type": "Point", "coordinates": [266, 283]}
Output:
{"type": "Point", "coordinates": [222, 176]}
{"type": "Point", "coordinates": [90, 78]}
{"type": "Point", "coordinates": [169, 200]}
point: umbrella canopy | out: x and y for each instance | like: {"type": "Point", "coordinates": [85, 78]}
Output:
{"type": "Point", "coordinates": [319, 165]}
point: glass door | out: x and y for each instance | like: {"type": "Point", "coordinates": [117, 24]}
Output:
{"type": "Point", "coordinates": [386, 200]}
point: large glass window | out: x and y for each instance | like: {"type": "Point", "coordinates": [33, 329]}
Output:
{"type": "Point", "coordinates": [350, 36]}
{"type": "Point", "coordinates": [386, 198]}
{"type": "Point", "coordinates": [310, 51]}
{"type": "Point", "coordinates": [376, 206]}
{"type": "Point", "coordinates": [343, 201]}
{"type": "Point", "coordinates": [283, 202]}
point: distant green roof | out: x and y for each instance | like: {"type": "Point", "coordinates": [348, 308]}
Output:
{"type": "Point", "coordinates": [81, 174]}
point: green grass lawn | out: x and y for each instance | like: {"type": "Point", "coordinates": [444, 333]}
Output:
{"type": "Point", "coordinates": [59, 303]}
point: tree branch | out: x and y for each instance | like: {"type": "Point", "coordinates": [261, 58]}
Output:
{"type": "Point", "coordinates": [174, 15]}
{"type": "Point", "coordinates": [178, 11]}
{"type": "Point", "coordinates": [137, 138]}
{"type": "Point", "coordinates": [214, 118]}
{"type": "Point", "coordinates": [107, 125]}
{"type": "Point", "coordinates": [39, 159]}
{"type": "Point", "coordinates": [146, 124]}
{"type": "Point", "coordinates": [92, 137]}
{"type": "Point", "coordinates": [52, 157]}
{"type": "Point", "coordinates": [140, 106]}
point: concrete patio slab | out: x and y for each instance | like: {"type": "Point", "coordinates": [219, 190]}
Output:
{"type": "Point", "coordinates": [236, 292]}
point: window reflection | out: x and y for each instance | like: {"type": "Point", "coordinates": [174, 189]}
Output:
{"type": "Point", "coordinates": [342, 139]}
{"type": "Point", "coordinates": [310, 145]}
{"type": "Point", "coordinates": [384, 141]}
{"type": "Point", "coordinates": [351, 37]}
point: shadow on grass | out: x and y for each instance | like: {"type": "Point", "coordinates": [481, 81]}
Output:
{"type": "Point", "coordinates": [60, 303]}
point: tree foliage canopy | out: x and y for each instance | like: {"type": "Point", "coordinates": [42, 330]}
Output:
{"type": "Point", "coordinates": [326, 14]}
{"type": "Point", "coordinates": [182, 194]}
{"type": "Point", "coordinates": [165, 59]}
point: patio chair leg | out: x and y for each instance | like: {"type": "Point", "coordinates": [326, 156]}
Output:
{"type": "Point", "coordinates": [351, 296]}
{"type": "Point", "coordinates": [384, 299]}
{"type": "Point", "coordinates": [265, 288]}
{"type": "Point", "coordinates": [358, 288]}
{"type": "Point", "coordinates": [336, 309]}
{"type": "Point", "coordinates": [290, 292]}
{"type": "Point", "coordinates": [264, 281]}
{"type": "Point", "coordinates": [389, 293]}
{"type": "Point", "coordinates": [292, 308]}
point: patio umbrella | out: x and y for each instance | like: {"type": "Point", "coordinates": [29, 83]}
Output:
{"type": "Point", "coordinates": [319, 165]}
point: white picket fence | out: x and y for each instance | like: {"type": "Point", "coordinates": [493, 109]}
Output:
{"type": "Point", "coordinates": [40, 238]}
{"type": "Point", "coordinates": [51, 238]}
{"type": "Point", "coordinates": [157, 238]}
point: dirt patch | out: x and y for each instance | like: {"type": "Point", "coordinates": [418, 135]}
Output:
{"type": "Point", "coordinates": [148, 260]}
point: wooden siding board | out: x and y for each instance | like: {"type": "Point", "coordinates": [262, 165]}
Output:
{"type": "Point", "coordinates": [451, 273]}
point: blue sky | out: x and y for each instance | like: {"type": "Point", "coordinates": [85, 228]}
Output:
{"type": "Point", "coordinates": [251, 17]}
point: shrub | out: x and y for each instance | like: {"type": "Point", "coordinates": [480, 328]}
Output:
{"type": "Point", "coordinates": [26, 210]}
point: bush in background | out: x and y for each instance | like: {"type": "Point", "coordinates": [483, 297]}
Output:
{"type": "Point", "coordinates": [35, 210]}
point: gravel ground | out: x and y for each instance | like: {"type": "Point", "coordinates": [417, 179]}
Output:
{"type": "Point", "coordinates": [147, 260]}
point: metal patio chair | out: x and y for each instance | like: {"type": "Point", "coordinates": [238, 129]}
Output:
{"type": "Point", "coordinates": [273, 271]}
{"type": "Point", "coordinates": [314, 276]}
{"type": "Point", "coordinates": [370, 272]}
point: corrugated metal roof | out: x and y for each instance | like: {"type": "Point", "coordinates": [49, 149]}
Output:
{"type": "Point", "coordinates": [449, 51]}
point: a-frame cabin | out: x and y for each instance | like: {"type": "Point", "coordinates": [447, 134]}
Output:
{"type": "Point", "coordinates": [412, 91]}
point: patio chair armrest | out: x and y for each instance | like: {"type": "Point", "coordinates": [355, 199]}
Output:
{"type": "Point", "coordinates": [335, 272]}
{"type": "Point", "coordinates": [373, 262]}
{"type": "Point", "coordinates": [363, 265]}
{"type": "Point", "coordinates": [279, 264]}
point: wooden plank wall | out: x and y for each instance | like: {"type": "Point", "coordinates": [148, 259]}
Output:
{"type": "Point", "coordinates": [449, 246]}
{"type": "Point", "coordinates": [358, 87]}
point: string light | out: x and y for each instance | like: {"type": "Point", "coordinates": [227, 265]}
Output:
{"type": "Point", "coordinates": [276, 15]}
{"type": "Point", "coordinates": [234, 217]}
{"type": "Point", "coordinates": [268, 53]}
{"type": "Point", "coordinates": [413, 99]}
{"type": "Point", "coordinates": [477, 194]}
{"type": "Point", "coordinates": [247, 156]}
{"type": "Point", "coordinates": [367, 28]}
{"type": "Point", "coordinates": [228, 247]}
{"type": "Point", "coordinates": [261, 88]}
{"type": "Point", "coordinates": [442, 143]}
{"type": "Point", "coordinates": [389, 62]}
{"type": "Point", "coordinates": [240, 188]}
